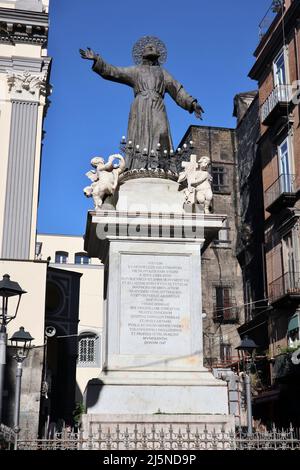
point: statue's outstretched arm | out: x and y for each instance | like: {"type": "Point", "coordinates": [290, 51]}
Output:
{"type": "Point", "coordinates": [123, 75]}
{"type": "Point", "coordinates": [181, 97]}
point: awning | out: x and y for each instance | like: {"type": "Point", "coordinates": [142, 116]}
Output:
{"type": "Point", "coordinates": [294, 322]}
{"type": "Point", "coordinates": [267, 396]}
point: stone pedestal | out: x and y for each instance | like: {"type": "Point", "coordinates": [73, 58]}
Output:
{"type": "Point", "coordinates": [153, 321]}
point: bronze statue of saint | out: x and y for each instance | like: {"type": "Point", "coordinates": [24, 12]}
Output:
{"type": "Point", "coordinates": [148, 124]}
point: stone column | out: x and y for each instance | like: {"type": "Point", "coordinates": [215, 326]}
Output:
{"type": "Point", "coordinates": [26, 94]}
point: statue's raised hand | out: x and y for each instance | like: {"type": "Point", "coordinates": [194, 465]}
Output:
{"type": "Point", "coordinates": [198, 110]}
{"type": "Point", "coordinates": [88, 54]}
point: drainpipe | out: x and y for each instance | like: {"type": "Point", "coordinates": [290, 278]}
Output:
{"type": "Point", "coordinates": [296, 30]}
{"type": "Point", "coordinates": [249, 403]}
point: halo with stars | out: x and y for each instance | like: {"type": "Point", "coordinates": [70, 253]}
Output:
{"type": "Point", "coordinates": [138, 48]}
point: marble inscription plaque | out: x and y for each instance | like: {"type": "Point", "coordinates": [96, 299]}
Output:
{"type": "Point", "coordinates": [155, 305]}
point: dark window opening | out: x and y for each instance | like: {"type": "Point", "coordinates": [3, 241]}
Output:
{"type": "Point", "coordinates": [82, 258]}
{"type": "Point", "coordinates": [225, 309]}
{"type": "Point", "coordinates": [61, 257]}
{"type": "Point", "coordinates": [219, 179]}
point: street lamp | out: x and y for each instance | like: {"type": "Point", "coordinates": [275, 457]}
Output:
{"type": "Point", "coordinates": [247, 348]}
{"type": "Point", "coordinates": [21, 340]}
{"type": "Point", "coordinates": [8, 289]}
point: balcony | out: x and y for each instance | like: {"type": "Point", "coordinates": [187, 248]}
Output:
{"type": "Point", "coordinates": [281, 193]}
{"type": "Point", "coordinates": [228, 314]}
{"type": "Point", "coordinates": [286, 287]}
{"type": "Point", "coordinates": [277, 104]}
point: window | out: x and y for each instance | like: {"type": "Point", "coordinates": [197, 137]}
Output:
{"type": "Point", "coordinates": [224, 305]}
{"type": "Point", "coordinates": [61, 257]}
{"type": "Point", "coordinates": [289, 260]}
{"type": "Point", "coordinates": [284, 161]}
{"type": "Point", "coordinates": [88, 349]}
{"type": "Point", "coordinates": [225, 352]}
{"type": "Point", "coordinates": [223, 297]}
{"type": "Point", "coordinates": [82, 258]}
{"type": "Point", "coordinates": [288, 253]}
{"type": "Point", "coordinates": [219, 179]}
{"type": "Point", "coordinates": [279, 69]}
{"type": "Point", "coordinates": [293, 332]}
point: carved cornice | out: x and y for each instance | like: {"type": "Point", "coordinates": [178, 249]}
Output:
{"type": "Point", "coordinates": [23, 16]}
{"type": "Point", "coordinates": [22, 26]}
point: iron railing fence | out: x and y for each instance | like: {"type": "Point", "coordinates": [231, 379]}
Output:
{"type": "Point", "coordinates": [287, 284]}
{"type": "Point", "coordinates": [269, 440]}
{"type": "Point", "coordinates": [138, 437]}
{"type": "Point", "coordinates": [7, 437]}
{"type": "Point", "coordinates": [285, 183]}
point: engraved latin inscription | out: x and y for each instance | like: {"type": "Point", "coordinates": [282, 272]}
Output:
{"type": "Point", "coordinates": [155, 305]}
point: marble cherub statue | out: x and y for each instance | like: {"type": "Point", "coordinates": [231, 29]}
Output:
{"type": "Point", "coordinates": [198, 179]}
{"type": "Point", "coordinates": [104, 178]}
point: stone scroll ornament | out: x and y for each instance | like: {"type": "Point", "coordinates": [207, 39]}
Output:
{"type": "Point", "coordinates": [104, 178]}
{"type": "Point", "coordinates": [198, 179]}
{"type": "Point", "coordinates": [148, 125]}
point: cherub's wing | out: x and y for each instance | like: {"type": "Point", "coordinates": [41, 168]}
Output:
{"type": "Point", "coordinates": [182, 177]}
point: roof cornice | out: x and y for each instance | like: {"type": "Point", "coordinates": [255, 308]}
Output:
{"type": "Point", "coordinates": [23, 26]}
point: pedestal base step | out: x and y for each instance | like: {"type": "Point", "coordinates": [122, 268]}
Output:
{"type": "Point", "coordinates": [103, 398]}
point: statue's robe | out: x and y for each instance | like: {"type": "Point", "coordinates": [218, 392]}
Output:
{"type": "Point", "coordinates": [148, 124]}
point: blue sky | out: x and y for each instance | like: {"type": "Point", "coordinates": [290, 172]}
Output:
{"type": "Point", "coordinates": [210, 51]}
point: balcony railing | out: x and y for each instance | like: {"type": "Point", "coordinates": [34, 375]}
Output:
{"type": "Point", "coordinates": [276, 102]}
{"type": "Point", "coordinates": [228, 314]}
{"type": "Point", "coordinates": [265, 23]}
{"type": "Point", "coordinates": [286, 285]}
{"type": "Point", "coordinates": [283, 188]}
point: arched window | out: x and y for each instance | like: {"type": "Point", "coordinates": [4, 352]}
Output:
{"type": "Point", "coordinates": [88, 350]}
{"type": "Point", "coordinates": [61, 257]}
{"type": "Point", "coordinates": [82, 258]}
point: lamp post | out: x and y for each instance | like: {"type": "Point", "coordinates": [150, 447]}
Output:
{"type": "Point", "coordinates": [21, 340]}
{"type": "Point", "coordinates": [8, 289]}
{"type": "Point", "coordinates": [247, 348]}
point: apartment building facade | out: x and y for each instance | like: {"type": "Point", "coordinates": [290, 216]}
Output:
{"type": "Point", "coordinates": [277, 71]}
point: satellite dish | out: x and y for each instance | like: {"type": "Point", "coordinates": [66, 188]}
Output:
{"type": "Point", "coordinates": [296, 357]}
